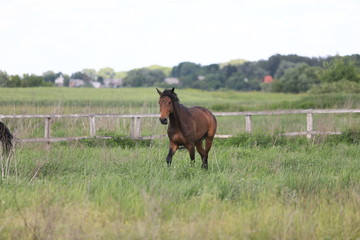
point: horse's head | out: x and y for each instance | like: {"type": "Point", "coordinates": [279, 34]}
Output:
{"type": "Point", "coordinates": [166, 104]}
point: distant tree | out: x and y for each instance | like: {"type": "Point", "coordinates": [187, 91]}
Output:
{"type": "Point", "coordinates": [50, 76]}
{"type": "Point", "coordinates": [188, 73]}
{"type": "Point", "coordinates": [4, 79]}
{"type": "Point", "coordinates": [284, 65]}
{"type": "Point", "coordinates": [82, 76]}
{"type": "Point", "coordinates": [143, 77]}
{"type": "Point", "coordinates": [227, 71]}
{"type": "Point", "coordinates": [100, 79]}
{"type": "Point", "coordinates": [340, 68]}
{"type": "Point", "coordinates": [106, 73]}
{"type": "Point", "coordinates": [209, 69]}
{"type": "Point", "coordinates": [253, 70]}
{"type": "Point", "coordinates": [355, 58]}
{"type": "Point", "coordinates": [165, 70]}
{"type": "Point", "coordinates": [66, 80]}
{"type": "Point", "coordinates": [298, 79]}
{"type": "Point", "coordinates": [238, 82]}
{"type": "Point", "coordinates": [235, 81]}
{"type": "Point", "coordinates": [189, 81]}
{"type": "Point", "coordinates": [300, 59]}
{"type": "Point", "coordinates": [273, 64]}
{"type": "Point", "coordinates": [211, 82]}
{"type": "Point", "coordinates": [120, 75]}
{"type": "Point", "coordinates": [91, 73]}
{"type": "Point", "coordinates": [33, 81]}
{"type": "Point", "coordinates": [15, 81]}
{"type": "Point", "coordinates": [185, 69]}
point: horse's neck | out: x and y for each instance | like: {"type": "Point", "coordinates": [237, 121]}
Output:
{"type": "Point", "coordinates": [177, 115]}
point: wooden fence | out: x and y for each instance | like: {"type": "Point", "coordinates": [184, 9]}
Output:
{"type": "Point", "coordinates": [135, 126]}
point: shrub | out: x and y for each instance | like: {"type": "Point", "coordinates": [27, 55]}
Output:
{"type": "Point", "coordinates": [333, 100]}
{"type": "Point", "coordinates": [343, 86]}
{"type": "Point", "coordinates": [350, 136]}
{"type": "Point", "coordinates": [263, 140]}
{"type": "Point", "coordinates": [123, 142]}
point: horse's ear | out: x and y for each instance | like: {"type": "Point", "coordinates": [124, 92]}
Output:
{"type": "Point", "coordinates": [172, 90]}
{"type": "Point", "coordinates": [159, 92]}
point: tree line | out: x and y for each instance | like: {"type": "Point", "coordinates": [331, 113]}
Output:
{"type": "Point", "coordinates": [289, 73]}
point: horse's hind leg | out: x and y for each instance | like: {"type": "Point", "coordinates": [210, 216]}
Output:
{"type": "Point", "coordinates": [208, 143]}
{"type": "Point", "coordinates": [191, 149]}
{"type": "Point", "coordinates": [201, 151]}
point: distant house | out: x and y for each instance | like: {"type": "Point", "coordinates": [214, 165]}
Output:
{"type": "Point", "coordinates": [200, 78]}
{"type": "Point", "coordinates": [76, 83]}
{"type": "Point", "coordinates": [113, 83]}
{"type": "Point", "coordinates": [172, 81]}
{"type": "Point", "coordinates": [268, 79]}
{"type": "Point", "coordinates": [59, 81]}
{"type": "Point", "coordinates": [95, 84]}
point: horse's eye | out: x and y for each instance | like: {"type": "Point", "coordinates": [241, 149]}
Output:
{"type": "Point", "coordinates": [169, 102]}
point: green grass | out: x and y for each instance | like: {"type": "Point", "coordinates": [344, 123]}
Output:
{"type": "Point", "coordinates": [126, 100]}
{"type": "Point", "coordinates": [75, 191]}
{"type": "Point", "coordinates": [258, 186]}
{"type": "Point", "coordinates": [144, 100]}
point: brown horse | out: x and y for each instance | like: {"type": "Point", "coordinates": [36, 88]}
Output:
{"type": "Point", "coordinates": [188, 127]}
{"type": "Point", "coordinates": [6, 139]}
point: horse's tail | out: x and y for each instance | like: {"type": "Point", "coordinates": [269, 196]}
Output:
{"type": "Point", "coordinates": [6, 139]}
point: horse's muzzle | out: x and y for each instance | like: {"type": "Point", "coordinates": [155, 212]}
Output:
{"type": "Point", "coordinates": [163, 121]}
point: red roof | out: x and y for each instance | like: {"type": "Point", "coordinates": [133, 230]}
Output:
{"type": "Point", "coordinates": [268, 79]}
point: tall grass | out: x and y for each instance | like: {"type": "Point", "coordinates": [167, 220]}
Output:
{"type": "Point", "coordinates": [74, 191]}
{"type": "Point", "coordinates": [125, 100]}
{"type": "Point", "coordinates": [257, 186]}
{"type": "Point", "coordinates": [72, 127]}
{"type": "Point", "coordinates": [144, 100]}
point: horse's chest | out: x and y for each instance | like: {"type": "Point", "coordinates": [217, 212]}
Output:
{"type": "Point", "coordinates": [177, 137]}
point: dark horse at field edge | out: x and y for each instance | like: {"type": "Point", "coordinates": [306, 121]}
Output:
{"type": "Point", "coordinates": [6, 139]}
{"type": "Point", "coordinates": [188, 127]}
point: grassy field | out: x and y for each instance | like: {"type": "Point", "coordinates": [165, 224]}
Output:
{"type": "Point", "coordinates": [79, 192]}
{"type": "Point", "coordinates": [128, 100]}
{"type": "Point", "coordinates": [91, 189]}
{"type": "Point", "coordinates": [144, 100]}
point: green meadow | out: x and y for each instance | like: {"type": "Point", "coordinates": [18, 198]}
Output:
{"type": "Point", "coordinates": [258, 186]}
{"type": "Point", "coordinates": [125, 100]}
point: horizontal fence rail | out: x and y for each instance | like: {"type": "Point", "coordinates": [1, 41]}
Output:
{"type": "Point", "coordinates": [135, 125]}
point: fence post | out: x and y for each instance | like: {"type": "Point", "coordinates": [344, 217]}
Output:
{"type": "Point", "coordinates": [135, 128]}
{"type": "Point", "coordinates": [309, 124]}
{"type": "Point", "coordinates": [248, 123]}
{"type": "Point", "coordinates": [92, 126]}
{"type": "Point", "coordinates": [47, 127]}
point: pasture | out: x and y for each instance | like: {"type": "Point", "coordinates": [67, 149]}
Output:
{"type": "Point", "coordinates": [123, 189]}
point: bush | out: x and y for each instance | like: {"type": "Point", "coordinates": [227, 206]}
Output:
{"type": "Point", "coordinates": [350, 136]}
{"type": "Point", "coordinates": [114, 142]}
{"type": "Point", "coordinates": [262, 140]}
{"type": "Point", "coordinates": [318, 101]}
{"type": "Point", "coordinates": [227, 107]}
{"type": "Point", "coordinates": [340, 69]}
{"type": "Point", "coordinates": [343, 86]}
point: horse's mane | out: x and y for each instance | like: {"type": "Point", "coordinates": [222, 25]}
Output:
{"type": "Point", "coordinates": [171, 94]}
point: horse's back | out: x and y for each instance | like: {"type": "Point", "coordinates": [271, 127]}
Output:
{"type": "Point", "coordinates": [205, 120]}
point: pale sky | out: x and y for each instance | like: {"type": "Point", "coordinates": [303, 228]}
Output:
{"type": "Point", "coordinates": [70, 35]}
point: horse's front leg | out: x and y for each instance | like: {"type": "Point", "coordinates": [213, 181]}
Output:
{"type": "Point", "coordinates": [172, 149]}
